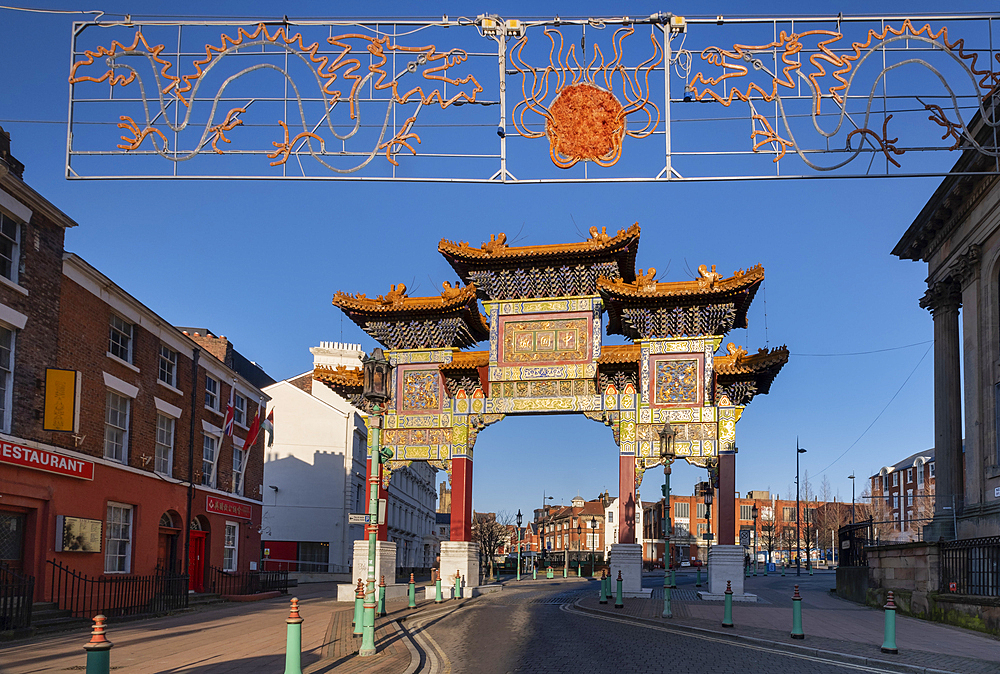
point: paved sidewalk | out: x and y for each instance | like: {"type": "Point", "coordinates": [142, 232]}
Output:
{"type": "Point", "coordinates": [830, 624]}
{"type": "Point", "coordinates": [229, 638]}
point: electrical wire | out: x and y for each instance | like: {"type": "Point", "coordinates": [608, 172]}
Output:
{"type": "Point", "coordinates": [862, 353]}
{"type": "Point", "coordinates": [880, 413]}
{"type": "Point", "coordinates": [97, 12]}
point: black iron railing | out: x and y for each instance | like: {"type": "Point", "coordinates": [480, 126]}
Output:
{"type": "Point", "coordinates": [971, 566]}
{"type": "Point", "coordinates": [116, 595]}
{"type": "Point", "coordinates": [17, 593]}
{"type": "Point", "coordinates": [246, 582]}
{"type": "Point", "coordinates": [852, 539]}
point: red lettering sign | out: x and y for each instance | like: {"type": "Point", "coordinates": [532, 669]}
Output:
{"type": "Point", "coordinates": [224, 507]}
{"type": "Point", "coordinates": [39, 459]}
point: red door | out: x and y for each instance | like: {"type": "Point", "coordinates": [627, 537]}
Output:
{"type": "Point", "coordinates": [196, 562]}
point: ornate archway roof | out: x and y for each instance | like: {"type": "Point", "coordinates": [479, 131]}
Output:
{"type": "Point", "coordinates": [500, 271]}
{"type": "Point", "coordinates": [451, 319]}
{"type": "Point", "coordinates": [347, 382]}
{"type": "Point", "coordinates": [741, 376]}
{"type": "Point", "coordinates": [707, 305]}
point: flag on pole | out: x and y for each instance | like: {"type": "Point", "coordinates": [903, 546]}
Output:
{"type": "Point", "coordinates": [254, 427]}
{"type": "Point", "coordinates": [227, 426]}
{"type": "Point", "coordinates": [269, 425]}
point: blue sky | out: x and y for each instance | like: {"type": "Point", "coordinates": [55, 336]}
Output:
{"type": "Point", "coordinates": [260, 262]}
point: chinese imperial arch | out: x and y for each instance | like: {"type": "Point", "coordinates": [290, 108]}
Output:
{"type": "Point", "coordinates": [544, 310]}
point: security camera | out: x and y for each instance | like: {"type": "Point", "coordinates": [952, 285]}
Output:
{"type": "Point", "coordinates": [501, 131]}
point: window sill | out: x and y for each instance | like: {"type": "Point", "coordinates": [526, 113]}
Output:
{"type": "Point", "coordinates": [119, 360]}
{"type": "Point", "coordinates": [169, 387]}
{"type": "Point", "coordinates": [11, 284]}
{"type": "Point", "coordinates": [213, 410]}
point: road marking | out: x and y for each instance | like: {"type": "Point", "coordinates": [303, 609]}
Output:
{"type": "Point", "coordinates": [437, 661]}
{"type": "Point", "coordinates": [861, 668]}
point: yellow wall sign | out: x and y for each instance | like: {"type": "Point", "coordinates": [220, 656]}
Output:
{"type": "Point", "coordinates": [60, 400]}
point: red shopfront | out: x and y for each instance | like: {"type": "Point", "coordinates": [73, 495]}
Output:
{"type": "Point", "coordinates": [100, 518]}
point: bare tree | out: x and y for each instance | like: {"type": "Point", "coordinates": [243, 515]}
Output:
{"type": "Point", "coordinates": [768, 531]}
{"type": "Point", "coordinates": [492, 532]}
{"type": "Point", "coordinates": [879, 511]}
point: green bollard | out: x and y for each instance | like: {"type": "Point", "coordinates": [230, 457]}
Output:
{"type": "Point", "coordinates": [534, 573]}
{"type": "Point", "coordinates": [698, 584]}
{"type": "Point", "coordinates": [765, 569]}
{"type": "Point", "coordinates": [619, 603]}
{"type": "Point", "coordinates": [413, 594]}
{"type": "Point", "coordinates": [549, 573]}
{"type": "Point", "coordinates": [755, 568]}
{"type": "Point", "coordinates": [98, 649]}
{"type": "Point", "coordinates": [666, 596]}
{"type": "Point", "coordinates": [458, 584]}
{"type": "Point", "coordinates": [782, 569]}
{"type": "Point", "coordinates": [889, 643]}
{"type": "Point", "coordinates": [746, 570]}
{"type": "Point", "coordinates": [437, 588]}
{"type": "Point", "coordinates": [293, 643]}
{"type": "Point", "coordinates": [359, 607]}
{"type": "Point", "coordinates": [604, 593]}
{"type": "Point", "coordinates": [727, 615]}
{"type": "Point", "coordinates": [564, 572]}
{"type": "Point", "coordinates": [797, 632]}
{"type": "Point", "coordinates": [809, 564]}
{"type": "Point", "coordinates": [380, 611]}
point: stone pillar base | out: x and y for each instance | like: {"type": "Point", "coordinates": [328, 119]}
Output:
{"type": "Point", "coordinates": [725, 563]}
{"type": "Point", "coordinates": [627, 558]}
{"type": "Point", "coordinates": [385, 561]}
{"type": "Point", "coordinates": [940, 527]}
{"type": "Point", "coordinates": [463, 557]}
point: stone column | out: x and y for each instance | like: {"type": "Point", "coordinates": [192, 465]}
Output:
{"type": "Point", "coordinates": [977, 398]}
{"type": "Point", "coordinates": [943, 300]}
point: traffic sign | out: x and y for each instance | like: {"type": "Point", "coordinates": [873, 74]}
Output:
{"type": "Point", "coordinates": [355, 518]}
{"type": "Point", "coordinates": [745, 538]}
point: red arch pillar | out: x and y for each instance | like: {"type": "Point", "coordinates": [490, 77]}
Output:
{"type": "Point", "coordinates": [461, 499]}
{"type": "Point", "coordinates": [626, 498]}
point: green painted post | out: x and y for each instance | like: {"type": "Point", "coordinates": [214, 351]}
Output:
{"type": "Point", "coordinates": [889, 643]}
{"type": "Point", "coordinates": [381, 596]}
{"type": "Point", "coordinates": [619, 603]}
{"type": "Point", "coordinates": [666, 596]}
{"type": "Point", "coordinates": [458, 584]}
{"type": "Point", "coordinates": [727, 615]}
{"type": "Point", "coordinates": [698, 584]}
{"type": "Point", "coordinates": [564, 572]}
{"type": "Point", "coordinates": [765, 568]}
{"type": "Point", "coordinates": [797, 632]}
{"type": "Point", "coordinates": [755, 568]}
{"type": "Point", "coordinates": [413, 593]}
{"type": "Point", "coordinates": [534, 573]}
{"type": "Point", "coordinates": [809, 564]}
{"type": "Point", "coordinates": [782, 569]}
{"type": "Point", "coordinates": [379, 455]}
{"type": "Point", "coordinates": [293, 642]}
{"type": "Point", "coordinates": [98, 648]}
{"type": "Point", "coordinates": [437, 588]}
{"type": "Point", "coordinates": [604, 593]}
{"type": "Point", "coordinates": [359, 607]}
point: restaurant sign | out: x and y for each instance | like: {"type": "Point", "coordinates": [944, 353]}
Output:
{"type": "Point", "coordinates": [39, 459]}
{"type": "Point", "coordinates": [214, 504]}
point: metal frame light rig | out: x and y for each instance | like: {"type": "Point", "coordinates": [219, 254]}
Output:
{"type": "Point", "coordinates": [491, 99]}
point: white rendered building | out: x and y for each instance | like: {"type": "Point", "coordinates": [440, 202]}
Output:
{"type": "Point", "coordinates": [314, 477]}
{"type": "Point", "coordinates": [611, 523]}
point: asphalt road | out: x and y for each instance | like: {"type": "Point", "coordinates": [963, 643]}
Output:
{"type": "Point", "coordinates": [534, 628]}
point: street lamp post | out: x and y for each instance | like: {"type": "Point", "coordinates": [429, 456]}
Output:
{"type": "Point", "coordinates": [851, 478]}
{"type": "Point", "coordinates": [579, 547]}
{"type": "Point", "coordinates": [798, 517]}
{"type": "Point", "coordinates": [667, 453]}
{"type": "Point", "coordinates": [377, 371]}
{"type": "Point", "coordinates": [544, 515]}
{"type": "Point", "coordinates": [519, 544]}
{"type": "Point", "coordinates": [754, 512]}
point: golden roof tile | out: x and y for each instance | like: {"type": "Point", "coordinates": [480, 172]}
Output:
{"type": "Point", "coordinates": [339, 376]}
{"type": "Point", "coordinates": [707, 283]}
{"type": "Point", "coordinates": [497, 246]}
{"type": "Point", "coordinates": [467, 360]}
{"type": "Point", "coordinates": [396, 300]}
{"type": "Point", "coordinates": [738, 362]}
{"type": "Point", "coordinates": [613, 354]}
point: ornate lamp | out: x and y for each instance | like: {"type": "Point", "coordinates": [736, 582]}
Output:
{"type": "Point", "coordinates": [377, 373]}
{"type": "Point", "coordinates": [667, 436]}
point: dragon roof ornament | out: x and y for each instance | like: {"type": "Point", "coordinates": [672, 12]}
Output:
{"type": "Point", "coordinates": [708, 282]}
{"type": "Point", "coordinates": [497, 246]}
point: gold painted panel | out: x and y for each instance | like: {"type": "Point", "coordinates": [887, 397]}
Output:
{"type": "Point", "coordinates": [546, 341]}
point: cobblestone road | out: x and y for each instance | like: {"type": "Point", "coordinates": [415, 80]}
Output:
{"type": "Point", "coordinates": [535, 629]}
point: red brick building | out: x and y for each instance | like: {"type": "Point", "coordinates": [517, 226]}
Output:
{"type": "Point", "coordinates": [902, 498]}
{"type": "Point", "coordinates": [774, 530]}
{"type": "Point", "coordinates": [566, 532]}
{"type": "Point", "coordinates": [112, 455]}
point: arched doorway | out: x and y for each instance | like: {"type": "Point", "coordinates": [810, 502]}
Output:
{"type": "Point", "coordinates": [198, 554]}
{"type": "Point", "coordinates": [170, 528]}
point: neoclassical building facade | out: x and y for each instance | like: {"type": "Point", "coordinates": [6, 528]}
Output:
{"type": "Point", "coordinates": [958, 235]}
